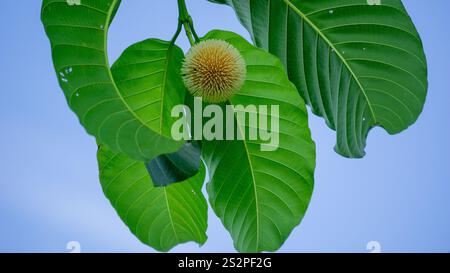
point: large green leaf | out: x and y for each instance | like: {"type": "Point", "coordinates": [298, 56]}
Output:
{"type": "Point", "coordinates": [260, 196]}
{"type": "Point", "coordinates": [129, 114]}
{"type": "Point", "coordinates": [357, 64]}
{"type": "Point", "coordinates": [160, 217]}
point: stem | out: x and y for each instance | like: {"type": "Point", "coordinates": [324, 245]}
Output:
{"type": "Point", "coordinates": [177, 33]}
{"type": "Point", "coordinates": [189, 33]}
{"type": "Point", "coordinates": [186, 20]}
{"type": "Point", "coordinates": [184, 14]}
{"type": "Point", "coordinates": [191, 25]}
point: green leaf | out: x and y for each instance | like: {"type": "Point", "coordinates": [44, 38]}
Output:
{"type": "Point", "coordinates": [160, 217]}
{"type": "Point", "coordinates": [175, 167]}
{"type": "Point", "coordinates": [358, 65]}
{"type": "Point", "coordinates": [260, 196]}
{"type": "Point", "coordinates": [148, 73]}
{"type": "Point", "coordinates": [127, 112]}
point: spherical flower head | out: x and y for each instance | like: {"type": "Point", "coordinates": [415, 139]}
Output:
{"type": "Point", "coordinates": [214, 70]}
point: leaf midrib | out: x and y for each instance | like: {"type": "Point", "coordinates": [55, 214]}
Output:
{"type": "Point", "coordinates": [170, 215]}
{"type": "Point", "coordinates": [335, 50]}
{"type": "Point", "coordinates": [247, 153]}
{"type": "Point", "coordinates": [163, 87]}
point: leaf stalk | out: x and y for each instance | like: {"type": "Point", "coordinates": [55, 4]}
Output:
{"type": "Point", "coordinates": [186, 21]}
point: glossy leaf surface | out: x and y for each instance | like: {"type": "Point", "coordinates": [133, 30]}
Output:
{"type": "Point", "coordinates": [260, 196]}
{"type": "Point", "coordinates": [128, 110]}
{"type": "Point", "coordinates": [161, 217]}
{"type": "Point", "coordinates": [358, 64]}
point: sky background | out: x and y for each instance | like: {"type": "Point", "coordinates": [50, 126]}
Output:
{"type": "Point", "coordinates": [398, 195]}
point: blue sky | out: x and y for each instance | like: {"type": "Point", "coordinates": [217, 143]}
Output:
{"type": "Point", "coordinates": [397, 195]}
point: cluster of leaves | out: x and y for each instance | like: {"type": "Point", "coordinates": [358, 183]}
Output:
{"type": "Point", "coordinates": [357, 66]}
